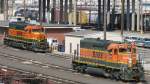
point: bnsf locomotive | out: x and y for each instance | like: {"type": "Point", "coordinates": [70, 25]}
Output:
{"type": "Point", "coordinates": [26, 36]}
{"type": "Point", "coordinates": [110, 59]}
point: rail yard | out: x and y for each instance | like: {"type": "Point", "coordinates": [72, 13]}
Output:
{"type": "Point", "coordinates": [74, 42]}
{"type": "Point", "coordinates": [46, 66]}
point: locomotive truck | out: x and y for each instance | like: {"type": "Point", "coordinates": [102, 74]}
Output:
{"type": "Point", "coordinates": [109, 59]}
{"type": "Point", "coordinates": [26, 36]}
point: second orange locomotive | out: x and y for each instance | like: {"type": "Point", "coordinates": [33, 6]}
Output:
{"type": "Point", "coordinates": [26, 36]}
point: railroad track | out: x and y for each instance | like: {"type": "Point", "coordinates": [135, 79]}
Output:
{"type": "Point", "coordinates": [42, 65]}
{"type": "Point", "coordinates": [59, 55]}
{"type": "Point", "coordinates": [46, 54]}
{"type": "Point", "coordinates": [35, 62]}
{"type": "Point", "coordinates": [53, 78]}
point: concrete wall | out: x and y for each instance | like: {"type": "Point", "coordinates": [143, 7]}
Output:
{"type": "Point", "coordinates": [1, 16]}
{"type": "Point", "coordinates": [74, 41]}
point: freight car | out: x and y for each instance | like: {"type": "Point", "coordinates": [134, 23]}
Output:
{"type": "Point", "coordinates": [85, 19]}
{"type": "Point", "coordinates": [26, 36]}
{"type": "Point", "coordinates": [110, 59]}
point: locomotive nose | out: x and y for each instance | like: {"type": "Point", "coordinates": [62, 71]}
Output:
{"type": "Point", "coordinates": [42, 36]}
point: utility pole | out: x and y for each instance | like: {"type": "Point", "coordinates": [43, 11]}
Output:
{"type": "Point", "coordinates": [90, 12]}
{"type": "Point", "coordinates": [133, 15]}
{"type": "Point", "coordinates": [1, 5]}
{"type": "Point", "coordinates": [44, 10]}
{"type": "Point", "coordinates": [99, 14]}
{"type": "Point", "coordinates": [138, 15]}
{"type": "Point", "coordinates": [40, 11]}
{"type": "Point", "coordinates": [66, 12]}
{"type": "Point", "coordinates": [70, 6]}
{"type": "Point", "coordinates": [53, 12]}
{"type": "Point", "coordinates": [24, 5]}
{"type": "Point", "coordinates": [70, 12]}
{"type": "Point", "coordinates": [48, 11]}
{"type": "Point", "coordinates": [105, 17]}
{"type": "Point", "coordinates": [6, 9]}
{"type": "Point", "coordinates": [12, 7]}
{"type": "Point", "coordinates": [103, 13]}
{"type": "Point", "coordinates": [108, 15]}
{"type": "Point", "coordinates": [128, 15]}
{"type": "Point", "coordinates": [61, 12]}
{"type": "Point", "coordinates": [74, 12]}
{"type": "Point", "coordinates": [141, 21]}
{"type": "Point", "coordinates": [122, 17]}
{"type": "Point", "coordinates": [39, 1]}
{"type": "Point", "coordinates": [113, 14]}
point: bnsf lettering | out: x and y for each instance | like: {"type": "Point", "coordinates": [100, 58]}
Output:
{"type": "Point", "coordinates": [19, 33]}
{"type": "Point", "coordinates": [97, 54]}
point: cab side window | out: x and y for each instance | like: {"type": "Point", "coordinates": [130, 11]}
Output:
{"type": "Point", "coordinates": [115, 51]}
{"type": "Point", "coordinates": [110, 51]}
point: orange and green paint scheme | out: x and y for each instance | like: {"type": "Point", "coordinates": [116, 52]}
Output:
{"type": "Point", "coordinates": [30, 33]}
{"type": "Point", "coordinates": [26, 36]}
{"type": "Point", "coordinates": [112, 54]}
{"type": "Point", "coordinates": [112, 59]}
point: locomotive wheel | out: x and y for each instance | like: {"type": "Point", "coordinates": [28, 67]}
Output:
{"type": "Point", "coordinates": [74, 66]}
{"type": "Point", "coordinates": [81, 69]}
{"type": "Point", "coordinates": [115, 75]}
{"type": "Point", "coordinates": [5, 42]}
{"type": "Point", "coordinates": [9, 43]}
{"type": "Point", "coordinates": [35, 49]}
{"type": "Point", "coordinates": [24, 46]}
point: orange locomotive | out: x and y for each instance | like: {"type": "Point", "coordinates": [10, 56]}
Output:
{"type": "Point", "coordinates": [108, 58]}
{"type": "Point", "coordinates": [26, 36]}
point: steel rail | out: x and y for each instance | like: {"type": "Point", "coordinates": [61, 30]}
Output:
{"type": "Point", "coordinates": [54, 78]}
{"type": "Point", "coordinates": [35, 62]}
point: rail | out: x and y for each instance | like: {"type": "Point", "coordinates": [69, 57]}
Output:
{"type": "Point", "coordinates": [34, 62]}
{"type": "Point", "coordinates": [54, 78]}
{"type": "Point", "coordinates": [47, 65]}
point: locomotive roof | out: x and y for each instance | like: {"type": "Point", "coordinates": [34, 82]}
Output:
{"type": "Point", "coordinates": [18, 25]}
{"type": "Point", "coordinates": [33, 27]}
{"type": "Point", "coordinates": [95, 43]}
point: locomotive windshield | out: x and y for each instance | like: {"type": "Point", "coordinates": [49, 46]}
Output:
{"type": "Point", "coordinates": [37, 30]}
{"type": "Point", "coordinates": [124, 50]}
